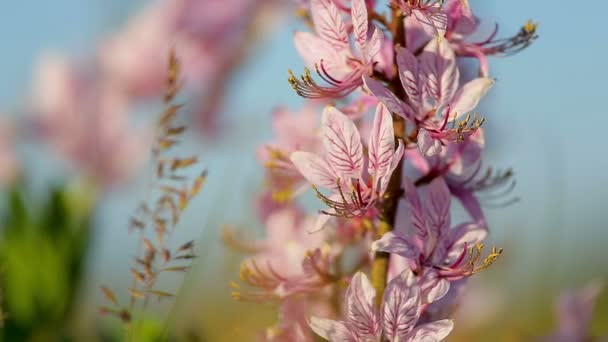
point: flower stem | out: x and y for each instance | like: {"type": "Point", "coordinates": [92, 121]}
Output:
{"type": "Point", "coordinates": [388, 213]}
{"type": "Point", "coordinates": [387, 221]}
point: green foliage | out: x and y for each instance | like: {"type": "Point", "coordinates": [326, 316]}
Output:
{"type": "Point", "coordinates": [43, 244]}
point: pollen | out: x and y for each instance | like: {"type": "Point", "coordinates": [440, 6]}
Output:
{"type": "Point", "coordinates": [530, 27]}
{"type": "Point", "coordinates": [475, 256]}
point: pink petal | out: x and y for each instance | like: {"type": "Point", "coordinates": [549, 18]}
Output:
{"type": "Point", "coordinates": [460, 17]}
{"type": "Point", "coordinates": [468, 96]}
{"type": "Point", "coordinates": [331, 330]}
{"type": "Point", "coordinates": [313, 50]}
{"type": "Point", "coordinates": [381, 143]}
{"type": "Point", "coordinates": [415, 210]}
{"type": "Point", "coordinates": [434, 22]}
{"type": "Point", "coordinates": [432, 287]}
{"type": "Point", "coordinates": [432, 332]}
{"type": "Point", "coordinates": [396, 242]}
{"type": "Point", "coordinates": [315, 169]}
{"type": "Point", "coordinates": [395, 161]}
{"type": "Point", "coordinates": [440, 72]}
{"type": "Point", "coordinates": [437, 207]}
{"type": "Point", "coordinates": [401, 306]}
{"type": "Point", "coordinates": [359, 17]}
{"type": "Point", "coordinates": [319, 224]}
{"type": "Point", "coordinates": [329, 24]}
{"type": "Point", "coordinates": [360, 309]}
{"type": "Point", "coordinates": [415, 36]}
{"type": "Point", "coordinates": [409, 75]}
{"type": "Point", "coordinates": [389, 99]}
{"type": "Point", "coordinates": [375, 43]}
{"type": "Point", "coordinates": [463, 236]}
{"type": "Point", "coordinates": [428, 145]}
{"type": "Point", "coordinates": [471, 204]}
{"type": "Point", "coordinates": [342, 144]}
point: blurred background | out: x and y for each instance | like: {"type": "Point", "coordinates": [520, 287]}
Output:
{"type": "Point", "coordinates": [70, 185]}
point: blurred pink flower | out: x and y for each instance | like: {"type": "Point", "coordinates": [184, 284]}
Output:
{"type": "Point", "coordinates": [210, 37]}
{"type": "Point", "coordinates": [9, 166]}
{"type": "Point", "coordinates": [289, 261]}
{"type": "Point", "coordinates": [574, 314]}
{"type": "Point", "coordinates": [85, 119]}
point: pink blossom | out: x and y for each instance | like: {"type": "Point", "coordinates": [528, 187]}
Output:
{"type": "Point", "coordinates": [210, 37]}
{"type": "Point", "coordinates": [397, 319]}
{"type": "Point", "coordinates": [574, 314]}
{"type": "Point", "coordinates": [85, 119]}
{"type": "Point", "coordinates": [330, 53]}
{"type": "Point", "coordinates": [9, 166]}
{"type": "Point", "coordinates": [434, 249]}
{"type": "Point", "coordinates": [289, 261]}
{"type": "Point", "coordinates": [431, 82]}
{"type": "Point", "coordinates": [341, 167]}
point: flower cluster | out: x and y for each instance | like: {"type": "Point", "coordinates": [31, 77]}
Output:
{"type": "Point", "coordinates": [82, 108]}
{"type": "Point", "coordinates": [397, 140]}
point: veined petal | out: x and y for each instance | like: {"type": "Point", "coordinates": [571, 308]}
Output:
{"type": "Point", "coordinates": [432, 287]}
{"type": "Point", "coordinates": [434, 21]}
{"type": "Point", "coordinates": [415, 211]}
{"type": "Point", "coordinates": [471, 204]}
{"type": "Point", "coordinates": [342, 143]}
{"type": "Point", "coordinates": [428, 145]}
{"type": "Point", "coordinates": [315, 169]}
{"type": "Point", "coordinates": [409, 75]}
{"type": "Point", "coordinates": [437, 207]}
{"type": "Point", "coordinates": [398, 243]}
{"type": "Point", "coordinates": [461, 19]}
{"type": "Point", "coordinates": [440, 72]}
{"type": "Point", "coordinates": [360, 24]}
{"type": "Point", "coordinates": [432, 332]}
{"type": "Point", "coordinates": [313, 50]}
{"type": "Point", "coordinates": [375, 44]}
{"type": "Point", "coordinates": [401, 306]}
{"type": "Point", "coordinates": [389, 99]}
{"type": "Point", "coordinates": [397, 158]}
{"type": "Point", "coordinates": [360, 310]}
{"type": "Point", "coordinates": [468, 96]}
{"type": "Point", "coordinates": [463, 236]}
{"type": "Point", "coordinates": [415, 36]}
{"type": "Point", "coordinates": [329, 24]}
{"type": "Point", "coordinates": [333, 331]}
{"type": "Point", "coordinates": [381, 143]}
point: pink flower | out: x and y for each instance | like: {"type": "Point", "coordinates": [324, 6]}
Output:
{"type": "Point", "coordinates": [293, 131]}
{"type": "Point", "coordinates": [289, 261]}
{"type": "Point", "coordinates": [330, 53]}
{"type": "Point", "coordinates": [397, 319]}
{"type": "Point", "coordinates": [341, 167]}
{"type": "Point", "coordinates": [461, 20]}
{"type": "Point", "coordinates": [434, 249]}
{"type": "Point", "coordinates": [431, 83]}
{"type": "Point", "coordinates": [9, 165]}
{"type": "Point", "coordinates": [85, 118]}
{"type": "Point", "coordinates": [574, 314]}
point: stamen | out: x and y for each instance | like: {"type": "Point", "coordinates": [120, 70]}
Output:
{"type": "Point", "coordinates": [343, 208]}
{"type": "Point", "coordinates": [509, 46]}
{"type": "Point", "coordinates": [308, 88]}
